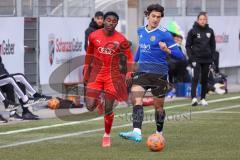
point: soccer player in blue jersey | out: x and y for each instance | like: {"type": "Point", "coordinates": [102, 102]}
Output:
{"type": "Point", "coordinates": [155, 45]}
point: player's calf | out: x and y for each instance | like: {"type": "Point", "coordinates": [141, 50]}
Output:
{"type": "Point", "coordinates": [137, 116]}
{"type": "Point", "coordinates": [159, 118]}
{"type": "Point", "coordinates": [108, 121]}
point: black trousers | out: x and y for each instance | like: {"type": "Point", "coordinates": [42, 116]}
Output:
{"type": "Point", "coordinates": [200, 72]}
{"type": "Point", "coordinates": [177, 71]}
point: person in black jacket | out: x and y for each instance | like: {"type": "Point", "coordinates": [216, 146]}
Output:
{"type": "Point", "coordinates": [95, 24]}
{"type": "Point", "coordinates": [201, 47]}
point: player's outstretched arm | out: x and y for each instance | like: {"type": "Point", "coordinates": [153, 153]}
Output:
{"type": "Point", "coordinates": [129, 55]}
{"type": "Point", "coordinates": [176, 52]}
{"type": "Point", "coordinates": [213, 43]}
{"type": "Point", "coordinates": [137, 55]}
{"type": "Point", "coordinates": [170, 47]}
{"type": "Point", "coordinates": [189, 43]}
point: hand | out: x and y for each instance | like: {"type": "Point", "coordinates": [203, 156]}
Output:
{"type": "Point", "coordinates": [194, 64]}
{"type": "Point", "coordinates": [128, 79]}
{"type": "Point", "coordinates": [164, 47]}
{"type": "Point", "coordinates": [85, 81]}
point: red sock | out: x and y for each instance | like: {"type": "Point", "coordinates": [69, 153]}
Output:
{"type": "Point", "coordinates": [108, 120]}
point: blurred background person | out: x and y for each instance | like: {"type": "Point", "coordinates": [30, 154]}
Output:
{"type": "Point", "coordinates": [177, 68]}
{"type": "Point", "coordinates": [95, 24]}
{"type": "Point", "coordinates": [201, 47]}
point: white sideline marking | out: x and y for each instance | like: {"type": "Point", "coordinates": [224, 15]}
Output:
{"type": "Point", "coordinates": [216, 109]}
{"type": "Point", "coordinates": [99, 118]}
{"type": "Point", "coordinates": [100, 129]}
{"type": "Point", "coordinates": [225, 112]}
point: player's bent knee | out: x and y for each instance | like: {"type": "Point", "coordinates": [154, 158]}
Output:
{"type": "Point", "coordinates": [108, 112]}
{"type": "Point", "coordinates": [11, 80]}
{"type": "Point", "coordinates": [90, 105]}
{"type": "Point", "coordinates": [159, 104]}
{"type": "Point", "coordinates": [159, 108]}
{"type": "Point", "coordinates": [137, 101]}
{"type": "Point", "coordinates": [90, 108]}
{"type": "Point", "coordinates": [20, 77]}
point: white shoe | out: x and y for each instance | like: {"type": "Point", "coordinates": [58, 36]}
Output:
{"type": "Point", "coordinates": [194, 102]}
{"type": "Point", "coordinates": [203, 102]}
{"type": "Point", "coordinates": [219, 88]}
{"type": "Point", "coordinates": [161, 133]}
{"type": "Point", "coordinates": [220, 91]}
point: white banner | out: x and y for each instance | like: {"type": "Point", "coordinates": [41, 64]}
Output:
{"type": "Point", "coordinates": [61, 40]}
{"type": "Point", "coordinates": [12, 43]}
{"type": "Point", "coordinates": [227, 33]}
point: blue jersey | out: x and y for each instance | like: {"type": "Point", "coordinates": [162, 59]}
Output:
{"type": "Point", "coordinates": [149, 56]}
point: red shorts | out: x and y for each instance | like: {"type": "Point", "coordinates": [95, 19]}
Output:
{"type": "Point", "coordinates": [113, 88]}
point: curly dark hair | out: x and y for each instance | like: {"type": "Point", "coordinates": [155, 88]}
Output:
{"type": "Point", "coordinates": [154, 7]}
{"type": "Point", "coordinates": [111, 13]}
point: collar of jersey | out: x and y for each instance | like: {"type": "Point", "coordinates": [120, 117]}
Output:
{"type": "Point", "coordinates": [151, 30]}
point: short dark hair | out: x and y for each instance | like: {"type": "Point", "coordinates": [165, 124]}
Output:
{"type": "Point", "coordinates": [176, 35]}
{"type": "Point", "coordinates": [203, 13]}
{"type": "Point", "coordinates": [99, 14]}
{"type": "Point", "coordinates": [111, 13]}
{"type": "Point", "coordinates": [154, 7]}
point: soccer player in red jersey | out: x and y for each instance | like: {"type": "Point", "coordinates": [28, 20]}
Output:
{"type": "Point", "coordinates": [102, 70]}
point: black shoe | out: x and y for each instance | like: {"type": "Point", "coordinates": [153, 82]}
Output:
{"type": "Point", "coordinates": [29, 116]}
{"type": "Point", "coordinates": [30, 102]}
{"type": "Point", "coordinates": [32, 114]}
{"type": "Point", "coordinates": [16, 116]}
{"type": "Point", "coordinates": [13, 107]}
{"type": "Point", "coordinates": [41, 97]}
{"type": "Point", "coordinates": [10, 106]}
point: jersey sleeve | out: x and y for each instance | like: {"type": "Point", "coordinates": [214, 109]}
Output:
{"type": "Point", "coordinates": [137, 55]}
{"type": "Point", "coordinates": [139, 30]}
{"type": "Point", "coordinates": [212, 43]}
{"type": "Point", "coordinates": [88, 57]}
{"type": "Point", "coordinates": [175, 51]}
{"type": "Point", "coordinates": [188, 46]}
{"type": "Point", "coordinates": [128, 53]}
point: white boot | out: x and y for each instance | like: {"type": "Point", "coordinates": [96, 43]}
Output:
{"type": "Point", "coordinates": [194, 102]}
{"type": "Point", "coordinates": [203, 102]}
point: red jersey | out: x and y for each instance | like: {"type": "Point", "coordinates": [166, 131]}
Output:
{"type": "Point", "coordinates": [103, 53]}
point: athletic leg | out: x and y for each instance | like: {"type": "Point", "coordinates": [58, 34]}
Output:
{"type": "Point", "coordinates": [92, 95]}
{"type": "Point", "coordinates": [204, 82]}
{"type": "Point", "coordinates": [138, 93]}
{"type": "Point", "coordinates": [22, 79]}
{"type": "Point", "coordinates": [9, 80]}
{"type": "Point", "coordinates": [159, 114]}
{"type": "Point", "coordinates": [26, 87]}
{"type": "Point", "coordinates": [195, 78]}
{"type": "Point", "coordinates": [108, 119]}
{"type": "Point", "coordinates": [159, 92]}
